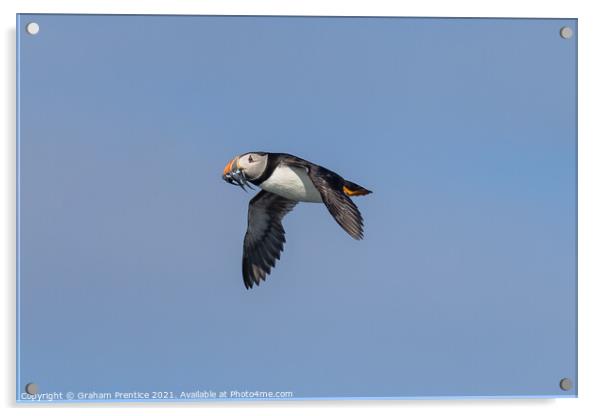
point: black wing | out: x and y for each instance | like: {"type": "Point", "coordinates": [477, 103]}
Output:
{"type": "Point", "coordinates": [264, 240]}
{"type": "Point", "coordinates": [340, 206]}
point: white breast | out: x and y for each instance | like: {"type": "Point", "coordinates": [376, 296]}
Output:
{"type": "Point", "coordinates": [292, 183]}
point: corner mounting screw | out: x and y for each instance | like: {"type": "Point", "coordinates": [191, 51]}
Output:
{"type": "Point", "coordinates": [566, 384]}
{"type": "Point", "coordinates": [566, 32]}
{"type": "Point", "coordinates": [31, 388]}
{"type": "Point", "coordinates": [32, 28]}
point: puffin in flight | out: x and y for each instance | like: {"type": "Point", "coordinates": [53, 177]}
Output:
{"type": "Point", "coordinates": [286, 180]}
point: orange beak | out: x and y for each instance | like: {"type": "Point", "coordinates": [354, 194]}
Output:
{"type": "Point", "coordinates": [234, 176]}
{"type": "Point", "coordinates": [229, 168]}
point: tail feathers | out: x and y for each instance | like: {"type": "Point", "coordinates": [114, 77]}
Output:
{"type": "Point", "coordinates": [353, 189]}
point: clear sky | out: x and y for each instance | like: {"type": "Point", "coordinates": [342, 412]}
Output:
{"type": "Point", "coordinates": [131, 243]}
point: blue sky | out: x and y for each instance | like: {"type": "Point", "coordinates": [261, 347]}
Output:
{"type": "Point", "coordinates": [130, 242]}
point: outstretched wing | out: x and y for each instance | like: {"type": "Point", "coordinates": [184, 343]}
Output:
{"type": "Point", "coordinates": [340, 206]}
{"type": "Point", "coordinates": [264, 240]}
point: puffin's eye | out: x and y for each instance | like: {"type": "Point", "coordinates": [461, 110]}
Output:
{"type": "Point", "coordinates": [250, 159]}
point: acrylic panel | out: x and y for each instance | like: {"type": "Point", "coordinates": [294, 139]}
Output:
{"type": "Point", "coordinates": [454, 142]}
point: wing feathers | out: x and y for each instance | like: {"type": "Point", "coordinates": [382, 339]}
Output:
{"type": "Point", "coordinates": [340, 206]}
{"type": "Point", "coordinates": [264, 240]}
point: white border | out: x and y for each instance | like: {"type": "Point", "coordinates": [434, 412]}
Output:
{"type": "Point", "coordinates": [590, 191]}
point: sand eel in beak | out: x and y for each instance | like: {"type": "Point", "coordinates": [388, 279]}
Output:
{"type": "Point", "coordinates": [232, 174]}
{"type": "Point", "coordinates": [286, 180]}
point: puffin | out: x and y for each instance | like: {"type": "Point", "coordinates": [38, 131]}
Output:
{"type": "Point", "coordinates": [285, 180]}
